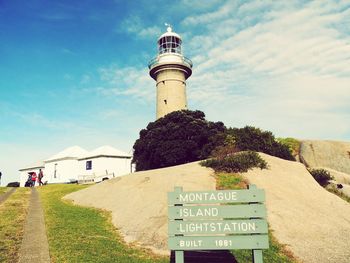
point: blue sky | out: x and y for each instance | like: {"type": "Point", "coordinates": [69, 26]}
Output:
{"type": "Point", "coordinates": [75, 72]}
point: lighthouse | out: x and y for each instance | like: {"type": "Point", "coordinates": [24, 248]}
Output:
{"type": "Point", "coordinates": [170, 69]}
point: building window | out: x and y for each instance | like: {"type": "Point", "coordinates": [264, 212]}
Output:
{"type": "Point", "coordinates": [88, 165]}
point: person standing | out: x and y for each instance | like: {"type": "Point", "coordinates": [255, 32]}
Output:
{"type": "Point", "coordinates": [0, 177]}
{"type": "Point", "coordinates": [33, 178]}
{"type": "Point", "coordinates": [40, 177]}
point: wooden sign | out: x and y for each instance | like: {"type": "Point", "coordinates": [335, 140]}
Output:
{"type": "Point", "coordinates": [205, 227]}
{"type": "Point", "coordinates": [214, 197]}
{"type": "Point", "coordinates": [214, 212]}
{"type": "Point", "coordinates": [217, 220]}
{"type": "Point", "coordinates": [218, 242]}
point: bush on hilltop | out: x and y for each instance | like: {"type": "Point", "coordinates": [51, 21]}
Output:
{"type": "Point", "coordinates": [177, 138]}
{"type": "Point", "coordinates": [236, 163]}
{"type": "Point", "coordinates": [253, 139]}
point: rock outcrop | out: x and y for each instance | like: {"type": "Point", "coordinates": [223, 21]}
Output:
{"type": "Point", "coordinates": [139, 203]}
{"type": "Point", "coordinates": [313, 223]}
{"type": "Point", "coordinates": [333, 156]}
{"type": "Point", "coordinates": [328, 154]}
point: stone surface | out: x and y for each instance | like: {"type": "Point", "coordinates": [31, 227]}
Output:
{"type": "Point", "coordinates": [312, 222]}
{"type": "Point", "coordinates": [339, 177]}
{"type": "Point", "coordinates": [328, 154]}
{"type": "Point", "coordinates": [139, 201]}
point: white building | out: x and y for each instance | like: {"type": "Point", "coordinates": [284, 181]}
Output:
{"type": "Point", "coordinates": [29, 169]}
{"type": "Point", "coordinates": [104, 162]}
{"type": "Point", "coordinates": [63, 166]}
{"type": "Point", "coordinates": [76, 163]}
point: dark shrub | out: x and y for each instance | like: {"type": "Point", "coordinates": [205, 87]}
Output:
{"type": "Point", "coordinates": [13, 184]}
{"type": "Point", "coordinates": [322, 176]}
{"type": "Point", "coordinates": [239, 162]}
{"type": "Point", "coordinates": [177, 138]}
{"type": "Point", "coordinates": [254, 139]}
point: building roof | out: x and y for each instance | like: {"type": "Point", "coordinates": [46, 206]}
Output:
{"type": "Point", "coordinates": [73, 152]}
{"type": "Point", "coordinates": [36, 165]}
{"type": "Point", "coordinates": [169, 33]}
{"type": "Point", "coordinates": [105, 151]}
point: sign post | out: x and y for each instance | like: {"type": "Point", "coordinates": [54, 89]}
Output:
{"type": "Point", "coordinates": [217, 220]}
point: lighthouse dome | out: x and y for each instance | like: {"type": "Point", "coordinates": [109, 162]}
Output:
{"type": "Point", "coordinates": [169, 42]}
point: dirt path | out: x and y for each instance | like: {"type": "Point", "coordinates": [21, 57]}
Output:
{"type": "Point", "coordinates": [6, 195]}
{"type": "Point", "coordinates": [35, 248]}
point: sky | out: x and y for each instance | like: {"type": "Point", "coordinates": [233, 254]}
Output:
{"type": "Point", "coordinates": [75, 72]}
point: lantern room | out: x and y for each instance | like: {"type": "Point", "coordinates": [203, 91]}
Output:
{"type": "Point", "coordinates": [169, 42]}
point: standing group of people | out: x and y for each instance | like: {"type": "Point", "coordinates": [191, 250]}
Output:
{"type": "Point", "coordinates": [33, 178]}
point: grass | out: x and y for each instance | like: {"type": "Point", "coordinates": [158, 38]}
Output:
{"type": "Point", "coordinates": [293, 144]}
{"type": "Point", "coordinates": [230, 181]}
{"type": "Point", "coordinates": [12, 218]}
{"type": "Point", "coordinates": [81, 234]}
{"type": "Point", "coordinates": [277, 253]}
{"type": "Point", "coordinates": [3, 190]}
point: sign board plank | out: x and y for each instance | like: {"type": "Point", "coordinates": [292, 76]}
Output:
{"type": "Point", "coordinates": [212, 197]}
{"type": "Point", "coordinates": [218, 211]}
{"type": "Point", "coordinates": [218, 242]}
{"type": "Point", "coordinates": [213, 227]}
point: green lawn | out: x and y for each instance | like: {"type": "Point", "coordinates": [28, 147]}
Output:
{"type": "Point", "coordinates": [276, 253]}
{"type": "Point", "coordinates": [80, 234]}
{"type": "Point", "coordinates": [12, 218]}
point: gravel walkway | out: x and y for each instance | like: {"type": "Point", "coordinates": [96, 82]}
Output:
{"type": "Point", "coordinates": [34, 247]}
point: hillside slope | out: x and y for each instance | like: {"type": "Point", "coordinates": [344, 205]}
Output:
{"type": "Point", "coordinates": [139, 201]}
{"type": "Point", "coordinates": [312, 222]}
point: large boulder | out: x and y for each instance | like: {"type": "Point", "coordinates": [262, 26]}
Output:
{"type": "Point", "coordinates": [328, 154]}
{"type": "Point", "coordinates": [138, 201]}
{"type": "Point", "coordinates": [312, 222]}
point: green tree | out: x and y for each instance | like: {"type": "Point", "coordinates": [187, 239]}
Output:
{"type": "Point", "coordinates": [177, 138]}
{"type": "Point", "coordinates": [254, 139]}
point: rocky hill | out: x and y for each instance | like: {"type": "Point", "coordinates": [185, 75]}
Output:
{"type": "Point", "coordinates": [329, 154]}
{"type": "Point", "coordinates": [333, 156]}
{"type": "Point", "coordinates": [313, 223]}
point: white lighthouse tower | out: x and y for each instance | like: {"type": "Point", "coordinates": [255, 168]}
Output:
{"type": "Point", "coordinates": [170, 69]}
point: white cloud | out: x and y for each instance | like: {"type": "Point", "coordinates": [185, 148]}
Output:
{"type": "Point", "coordinates": [221, 13]}
{"type": "Point", "coordinates": [281, 66]}
{"type": "Point", "coordinates": [134, 25]}
{"type": "Point", "coordinates": [131, 81]}
{"type": "Point", "coordinates": [287, 66]}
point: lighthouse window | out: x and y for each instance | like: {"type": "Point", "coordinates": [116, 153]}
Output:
{"type": "Point", "coordinates": [169, 44]}
{"type": "Point", "coordinates": [165, 102]}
